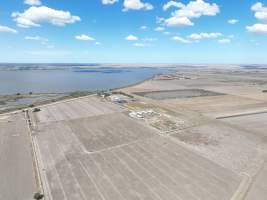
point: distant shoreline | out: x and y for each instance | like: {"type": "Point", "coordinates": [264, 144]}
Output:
{"type": "Point", "coordinates": [62, 96]}
{"type": "Point", "coordinates": [140, 82]}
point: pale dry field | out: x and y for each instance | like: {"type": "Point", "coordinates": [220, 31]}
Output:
{"type": "Point", "coordinates": [112, 156]}
{"type": "Point", "coordinates": [195, 145]}
{"type": "Point", "coordinates": [228, 129]}
{"type": "Point", "coordinates": [17, 178]}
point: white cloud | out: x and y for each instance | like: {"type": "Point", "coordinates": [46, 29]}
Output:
{"type": "Point", "coordinates": [200, 36]}
{"type": "Point", "coordinates": [43, 41]}
{"type": "Point", "coordinates": [131, 38]}
{"type": "Point", "coordinates": [233, 21]}
{"type": "Point", "coordinates": [224, 41]}
{"type": "Point", "coordinates": [141, 44]}
{"type": "Point", "coordinates": [172, 4]}
{"type": "Point", "coordinates": [97, 43]}
{"type": "Point", "coordinates": [36, 38]}
{"type": "Point", "coordinates": [34, 16]}
{"type": "Point", "coordinates": [144, 42]}
{"type": "Point", "coordinates": [178, 21]}
{"type": "Point", "coordinates": [194, 9]}
{"type": "Point", "coordinates": [5, 29]}
{"type": "Point", "coordinates": [84, 37]}
{"type": "Point", "coordinates": [257, 28]}
{"type": "Point", "coordinates": [144, 28]}
{"type": "Point", "coordinates": [180, 39]}
{"type": "Point", "coordinates": [261, 15]}
{"type": "Point", "coordinates": [159, 20]}
{"type": "Point", "coordinates": [196, 37]}
{"type": "Point", "coordinates": [166, 33]}
{"type": "Point", "coordinates": [108, 2]}
{"type": "Point", "coordinates": [260, 12]}
{"type": "Point", "coordinates": [33, 2]}
{"type": "Point", "coordinates": [257, 6]}
{"type": "Point", "coordinates": [136, 5]}
{"type": "Point", "coordinates": [159, 29]}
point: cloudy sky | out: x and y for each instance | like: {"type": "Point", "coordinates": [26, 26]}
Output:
{"type": "Point", "coordinates": [133, 31]}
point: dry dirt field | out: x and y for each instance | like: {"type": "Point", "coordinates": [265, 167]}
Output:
{"type": "Point", "coordinates": [112, 156]}
{"type": "Point", "coordinates": [228, 129]}
{"type": "Point", "coordinates": [195, 134]}
{"type": "Point", "coordinates": [17, 179]}
{"type": "Point", "coordinates": [177, 94]}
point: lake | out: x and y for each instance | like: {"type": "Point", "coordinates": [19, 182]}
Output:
{"type": "Point", "coordinates": [68, 79]}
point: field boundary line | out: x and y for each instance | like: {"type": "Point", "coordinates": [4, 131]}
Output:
{"type": "Point", "coordinates": [243, 188]}
{"type": "Point", "coordinates": [242, 115]}
{"type": "Point", "coordinates": [37, 162]}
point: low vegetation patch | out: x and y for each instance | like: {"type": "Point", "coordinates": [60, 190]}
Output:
{"type": "Point", "coordinates": [79, 94]}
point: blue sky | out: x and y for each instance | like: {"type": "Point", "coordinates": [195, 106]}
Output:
{"type": "Point", "coordinates": [133, 31]}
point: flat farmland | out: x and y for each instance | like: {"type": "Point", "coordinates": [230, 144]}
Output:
{"type": "Point", "coordinates": [217, 106]}
{"type": "Point", "coordinates": [228, 146]}
{"type": "Point", "coordinates": [189, 135]}
{"type": "Point", "coordinates": [259, 187]}
{"type": "Point", "coordinates": [174, 94]}
{"type": "Point", "coordinates": [108, 155]}
{"type": "Point", "coordinates": [80, 108]}
{"type": "Point", "coordinates": [151, 168]}
{"type": "Point", "coordinates": [100, 132]}
{"type": "Point", "coordinates": [16, 162]}
{"type": "Point", "coordinates": [255, 123]}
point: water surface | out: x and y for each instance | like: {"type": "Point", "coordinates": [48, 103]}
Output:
{"type": "Point", "coordinates": [68, 79]}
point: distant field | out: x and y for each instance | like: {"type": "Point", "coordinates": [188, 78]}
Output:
{"type": "Point", "coordinates": [172, 94]}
